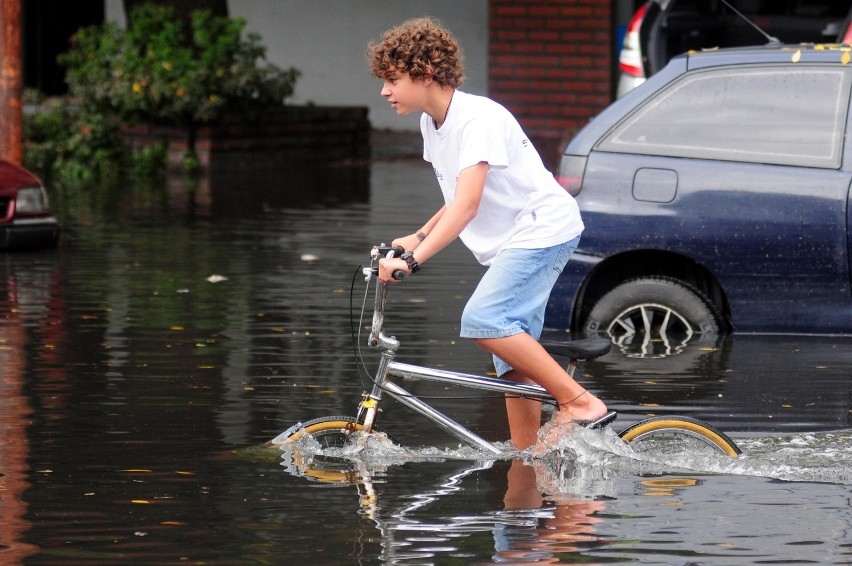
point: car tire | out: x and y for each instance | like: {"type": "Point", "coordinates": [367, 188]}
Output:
{"type": "Point", "coordinates": [652, 313]}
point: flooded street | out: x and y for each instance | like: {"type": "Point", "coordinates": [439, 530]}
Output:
{"type": "Point", "coordinates": [176, 330]}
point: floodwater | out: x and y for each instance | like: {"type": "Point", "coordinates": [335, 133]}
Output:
{"type": "Point", "coordinates": [178, 328]}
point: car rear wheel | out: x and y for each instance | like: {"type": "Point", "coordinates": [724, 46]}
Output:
{"type": "Point", "coordinates": [653, 316]}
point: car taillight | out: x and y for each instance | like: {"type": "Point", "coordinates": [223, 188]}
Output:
{"type": "Point", "coordinates": [570, 176]}
{"type": "Point", "coordinates": [630, 58]}
{"type": "Point", "coordinates": [847, 37]}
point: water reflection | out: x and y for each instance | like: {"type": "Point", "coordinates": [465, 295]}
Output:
{"type": "Point", "coordinates": [24, 303]}
{"type": "Point", "coordinates": [530, 527]}
{"type": "Point", "coordinates": [583, 506]}
{"type": "Point", "coordinates": [241, 191]}
{"type": "Point", "coordinates": [571, 523]}
{"type": "Point", "coordinates": [739, 383]}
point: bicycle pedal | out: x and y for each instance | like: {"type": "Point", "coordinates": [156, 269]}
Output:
{"type": "Point", "coordinates": [598, 423]}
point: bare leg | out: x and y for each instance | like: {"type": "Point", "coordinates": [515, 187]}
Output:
{"type": "Point", "coordinates": [530, 359]}
{"type": "Point", "coordinates": [524, 415]}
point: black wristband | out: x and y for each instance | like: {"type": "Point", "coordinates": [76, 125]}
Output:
{"type": "Point", "coordinates": [413, 266]}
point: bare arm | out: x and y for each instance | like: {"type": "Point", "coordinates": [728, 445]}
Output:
{"type": "Point", "coordinates": [458, 214]}
{"type": "Point", "coordinates": [410, 242]}
{"type": "Point", "coordinates": [446, 225]}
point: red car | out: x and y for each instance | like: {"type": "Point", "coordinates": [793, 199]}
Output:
{"type": "Point", "coordinates": [25, 218]}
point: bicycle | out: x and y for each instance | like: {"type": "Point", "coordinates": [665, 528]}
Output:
{"type": "Point", "coordinates": [336, 431]}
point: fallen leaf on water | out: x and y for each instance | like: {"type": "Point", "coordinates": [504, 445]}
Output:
{"type": "Point", "coordinates": [797, 56]}
{"type": "Point", "coordinates": [217, 278]}
{"type": "Point", "coordinates": [140, 501]}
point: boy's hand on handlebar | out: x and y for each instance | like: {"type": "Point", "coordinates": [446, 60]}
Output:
{"type": "Point", "coordinates": [387, 267]}
{"type": "Point", "coordinates": [409, 242]}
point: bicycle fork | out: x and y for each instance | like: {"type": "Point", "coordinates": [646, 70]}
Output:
{"type": "Point", "coordinates": [368, 408]}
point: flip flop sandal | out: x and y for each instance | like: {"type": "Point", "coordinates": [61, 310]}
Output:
{"type": "Point", "coordinates": [598, 423]}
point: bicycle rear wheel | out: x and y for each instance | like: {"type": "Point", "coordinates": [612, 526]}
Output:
{"type": "Point", "coordinates": [678, 433]}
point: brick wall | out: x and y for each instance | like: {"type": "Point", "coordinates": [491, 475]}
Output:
{"type": "Point", "coordinates": [550, 63]}
{"type": "Point", "coordinates": [292, 133]}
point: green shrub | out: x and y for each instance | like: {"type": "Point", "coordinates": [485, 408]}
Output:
{"type": "Point", "coordinates": [162, 70]}
{"type": "Point", "coordinates": [72, 145]}
{"type": "Point", "coordinates": [149, 162]}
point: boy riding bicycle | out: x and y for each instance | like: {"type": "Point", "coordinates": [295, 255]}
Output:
{"type": "Point", "coordinates": [503, 204]}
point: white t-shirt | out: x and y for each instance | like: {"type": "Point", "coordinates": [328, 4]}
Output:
{"type": "Point", "coordinates": [522, 206]}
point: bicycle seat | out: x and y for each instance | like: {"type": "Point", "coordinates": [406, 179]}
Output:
{"type": "Point", "coordinates": [583, 349]}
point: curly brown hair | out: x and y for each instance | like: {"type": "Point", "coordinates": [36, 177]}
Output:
{"type": "Point", "coordinates": [419, 47]}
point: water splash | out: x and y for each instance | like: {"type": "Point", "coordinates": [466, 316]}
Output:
{"type": "Point", "coordinates": [589, 461]}
{"type": "Point", "coordinates": [808, 457]}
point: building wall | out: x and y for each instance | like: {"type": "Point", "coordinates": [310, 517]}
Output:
{"type": "Point", "coordinates": [550, 63]}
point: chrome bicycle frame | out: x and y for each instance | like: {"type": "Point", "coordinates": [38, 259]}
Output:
{"type": "Point", "coordinates": [390, 368]}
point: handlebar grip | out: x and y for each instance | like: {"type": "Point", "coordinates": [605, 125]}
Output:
{"type": "Point", "coordinates": [399, 274]}
{"type": "Point", "coordinates": [384, 250]}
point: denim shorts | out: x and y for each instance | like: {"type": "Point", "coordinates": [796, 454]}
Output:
{"type": "Point", "coordinates": [512, 296]}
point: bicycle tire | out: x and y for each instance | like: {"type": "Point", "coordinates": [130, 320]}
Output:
{"type": "Point", "coordinates": [662, 427]}
{"type": "Point", "coordinates": [329, 432]}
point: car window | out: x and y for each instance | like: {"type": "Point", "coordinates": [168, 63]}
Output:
{"type": "Point", "coordinates": [763, 115]}
{"type": "Point", "coordinates": [804, 8]}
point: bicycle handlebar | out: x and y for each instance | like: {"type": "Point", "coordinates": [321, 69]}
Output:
{"type": "Point", "coordinates": [381, 251]}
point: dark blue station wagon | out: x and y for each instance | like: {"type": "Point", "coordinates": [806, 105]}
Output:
{"type": "Point", "coordinates": [716, 198]}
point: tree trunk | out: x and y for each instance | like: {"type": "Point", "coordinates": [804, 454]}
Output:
{"type": "Point", "coordinates": [11, 82]}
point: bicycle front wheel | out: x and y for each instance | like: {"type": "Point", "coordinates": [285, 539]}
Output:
{"type": "Point", "coordinates": [666, 433]}
{"type": "Point", "coordinates": [329, 432]}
